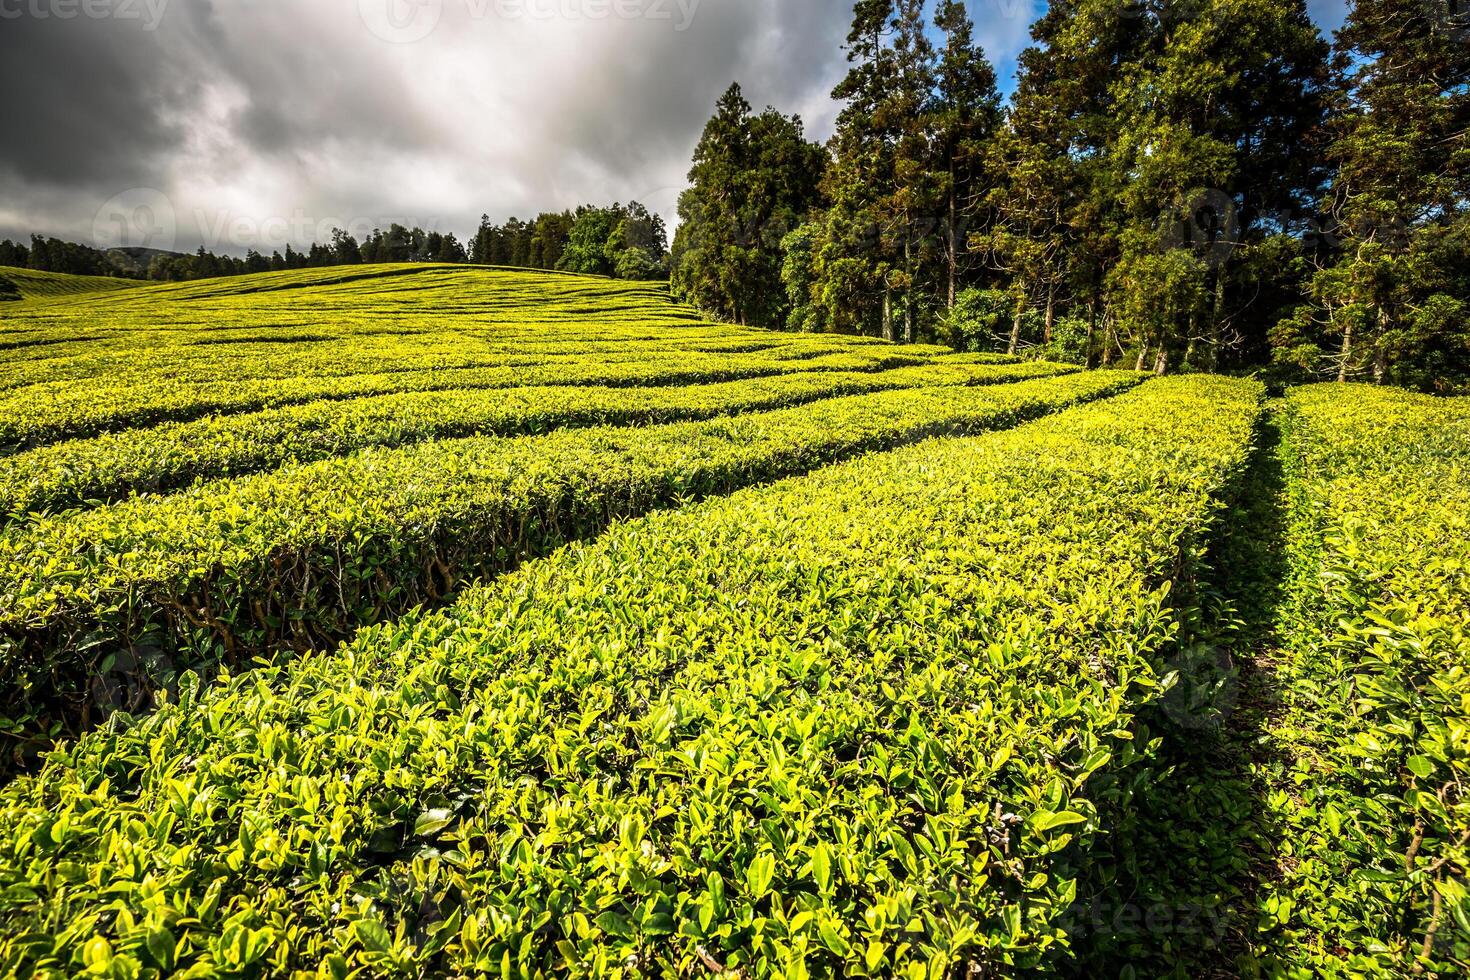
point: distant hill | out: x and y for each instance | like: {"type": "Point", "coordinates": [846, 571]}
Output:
{"type": "Point", "coordinates": [135, 261]}
{"type": "Point", "coordinates": [30, 284]}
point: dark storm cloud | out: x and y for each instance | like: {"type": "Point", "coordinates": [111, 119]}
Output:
{"type": "Point", "coordinates": [83, 100]}
{"type": "Point", "coordinates": [304, 111]}
{"type": "Point", "coordinates": [253, 122]}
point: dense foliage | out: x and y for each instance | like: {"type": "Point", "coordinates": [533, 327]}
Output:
{"type": "Point", "coordinates": [1206, 185]}
{"type": "Point", "coordinates": [298, 557]}
{"type": "Point", "coordinates": [172, 456]}
{"type": "Point", "coordinates": [347, 594]}
{"type": "Point", "coordinates": [621, 241]}
{"type": "Point", "coordinates": [1374, 818]}
{"type": "Point", "coordinates": [687, 744]}
{"type": "Point", "coordinates": [347, 396]}
{"type": "Point", "coordinates": [754, 178]}
{"type": "Point", "coordinates": [1388, 301]}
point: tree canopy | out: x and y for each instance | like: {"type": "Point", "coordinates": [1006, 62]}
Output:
{"type": "Point", "coordinates": [1201, 185]}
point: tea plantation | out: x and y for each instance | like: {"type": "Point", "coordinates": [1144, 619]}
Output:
{"type": "Point", "coordinates": [419, 621]}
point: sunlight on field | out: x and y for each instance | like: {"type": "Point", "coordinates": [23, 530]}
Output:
{"type": "Point", "coordinates": [450, 620]}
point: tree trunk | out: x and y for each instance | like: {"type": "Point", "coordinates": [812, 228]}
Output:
{"type": "Point", "coordinates": [1051, 311]}
{"type": "Point", "coordinates": [1161, 363]}
{"type": "Point", "coordinates": [909, 293]}
{"type": "Point", "coordinates": [1091, 333]}
{"type": "Point", "coordinates": [1347, 352]}
{"type": "Point", "coordinates": [887, 314]}
{"type": "Point", "coordinates": [954, 246]}
{"type": "Point", "coordinates": [908, 296]}
{"type": "Point", "coordinates": [1189, 345]}
{"type": "Point", "coordinates": [1142, 357]}
{"type": "Point", "coordinates": [1216, 318]}
{"type": "Point", "coordinates": [1015, 343]}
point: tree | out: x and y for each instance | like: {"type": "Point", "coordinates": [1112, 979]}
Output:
{"type": "Point", "coordinates": [908, 175]}
{"type": "Point", "coordinates": [1388, 301]}
{"type": "Point", "coordinates": [586, 249]}
{"type": "Point", "coordinates": [550, 232]}
{"type": "Point", "coordinates": [799, 278]}
{"type": "Point", "coordinates": [14, 254]}
{"type": "Point", "coordinates": [753, 179]}
{"type": "Point", "coordinates": [638, 247]}
{"type": "Point", "coordinates": [1212, 120]}
{"type": "Point", "coordinates": [966, 116]}
{"type": "Point", "coordinates": [1156, 146]}
{"type": "Point", "coordinates": [906, 214]}
{"type": "Point", "coordinates": [625, 241]}
{"type": "Point", "coordinates": [483, 244]}
{"type": "Point", "coordinates": [854, 260]}
{"type": "Point", "coordinates": [345, 250]}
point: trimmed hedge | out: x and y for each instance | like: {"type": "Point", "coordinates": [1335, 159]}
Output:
{"type": "Point", "coordinates": [180, 352]}
{"type": "Point", "coordinates": [1374, 807]}
{"type": "Point", "coordinates": [97, 607]}
{"type": "Point", "coordinates": [39, 415]}
{"type": "Point", "coordinates": [112, 467]}
{"type": "Point", "coordinates": [857, 723]}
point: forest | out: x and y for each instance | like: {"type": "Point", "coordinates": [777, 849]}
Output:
{"type": "Point", "coordinates": [623, 241]}
{"type": "Point", "coordinates": [1024, 534]}
{"type": "Point", "coordinates": [1173, 185]}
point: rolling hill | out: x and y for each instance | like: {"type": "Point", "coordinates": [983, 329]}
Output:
{"type": "Point", "coordinates": [455, 621]}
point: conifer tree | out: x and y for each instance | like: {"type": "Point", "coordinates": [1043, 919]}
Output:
{"type": "Point", "coordinates": [966, 115]}
{"type": "Point", "coordinates": [753, 179]}
{"type": "Point", "coordinates": [1390, 303]}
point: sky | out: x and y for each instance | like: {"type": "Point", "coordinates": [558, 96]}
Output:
{"type": "Point", "coordinates": [250, 123]}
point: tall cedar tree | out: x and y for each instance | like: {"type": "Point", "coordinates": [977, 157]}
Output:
{"type": "Point", "coordinates": [907, 177]}
{"type": "Point", "coordinates": [753, 180]}
{"type": "Point", "coordinates": [853, 260]}
{"type": "Point", "coordinates": [1152, 150]}
{"type": "Point", "coordinates": [1389, 303]}
{"type": "Point", "coordinates": [966, 116]}
{"type": "Point", "coordinates": [1213, 124]}
{"type": "Point", "coordinates": [1053, 224]}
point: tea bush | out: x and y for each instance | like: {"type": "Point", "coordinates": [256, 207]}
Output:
{"type": "Point", "coordinates": [170, 457]}
{"type": "Point", "coordinates": [1373, 807]}
{"type": "Point", "coordinates": [784, 732]}
{"type": "Point", "coordinates": [300, 557]}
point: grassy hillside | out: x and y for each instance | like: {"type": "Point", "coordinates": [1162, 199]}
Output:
{"type": "Point", "coordinates": [45, 285]}
{"type": "Point", "coordinates": [450, 621]}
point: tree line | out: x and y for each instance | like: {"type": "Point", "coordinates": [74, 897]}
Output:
{"type": "Point", "coordinates": [625, 241]}
{"type": "Point", "coordinates": [1172, 185]}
